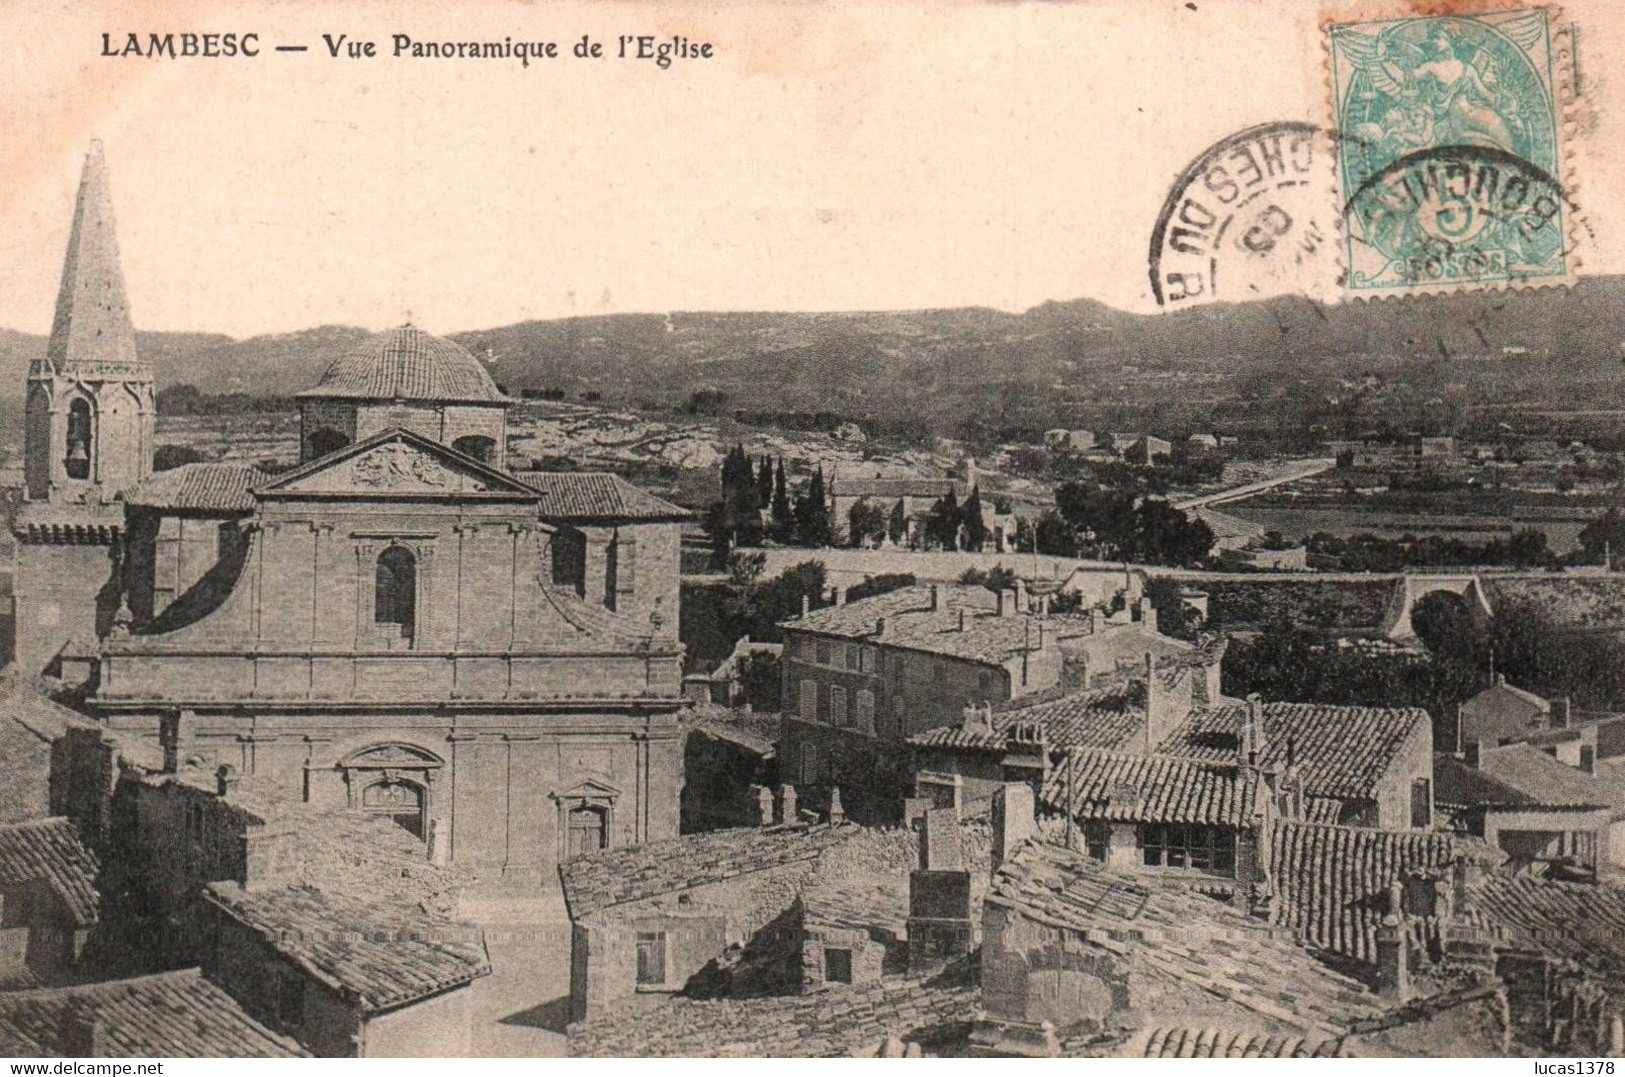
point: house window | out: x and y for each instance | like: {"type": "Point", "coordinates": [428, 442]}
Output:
{"type": "Point", "coordinates": [837, 966]}
{"type": "Point", "coordinates": [809, 764]}
{"type": "Point", "coordinates": [1588, 758]}
{"type": "Point", "coordinates": [809, 700]}
{"type": "Point", "coordinates": [395, 593]}
{"type": "Point", "coordinates": [1421, 803]}
{"type": "Point", "coordinates": [77, 461]}
{"type": "Point", "coordinates": [854, 657]}
{"type": "Point", "coordinates": [651, 959]}
{"type": "Point", "coordinates": [1209, 849]}
{"type": "Point", "coordinates": [290, 998]}
{"type": "Point", "coordinates": [569, 551]}
{"type": "Point", "coordinates": [1097, 839]}
{"type": "Point", "coordinates": [823, 652]}
{"type": "Point", "coordinates": [838, 713]}
{"type": "Point", "coordinates": [866, 710]}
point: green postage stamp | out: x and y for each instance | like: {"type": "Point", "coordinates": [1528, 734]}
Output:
{"type": "Point", "coordinates": [1449, 152]}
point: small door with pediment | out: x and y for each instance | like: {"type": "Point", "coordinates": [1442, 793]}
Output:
{"type": "Point", "coordinates": [588, 830]}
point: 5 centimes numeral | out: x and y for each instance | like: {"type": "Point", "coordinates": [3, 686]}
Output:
{"type": "Point", "coordinates": [1448, 152]}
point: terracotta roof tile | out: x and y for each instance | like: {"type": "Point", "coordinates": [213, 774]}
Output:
{"type": "Point", "coordinates": [612, 877]}
{"type": "Point", "coordinates": [168, 1015]}
{"type": "Point", "coordinates": [1331, 882]}
{"type": "Point", "coordinates": [1183, 934]}
{"type": "Point", "coordinates": [49, 850]}
{"type": "Point", "coordinates": [1124, 787]}
{"type": "Point", "coordinates": [198, 488]}
{"type": "Point", "coordinates": [1546, 782]}
{"type": "Point", "coordinates": [379, 954]}
{"type": "Point", "coordinates": [405, 363]}
{"type": "Point", "coordinates": [592, 495]}
{"type": "Point", "coordinates": [1230, 1043]}
{"type": "Point", "coordinates": [1339, 751]}
{"type": "Point", "coordinates": [1102, 717]}
{"type": "Point", "coordinates": [911, 623]}
{"type": "Point", "coordinates": [1582, 922]}
{"type": "Point", "coordinates": [1457, 786]}
{"type": "Point", "coordinates": [840, 1023]}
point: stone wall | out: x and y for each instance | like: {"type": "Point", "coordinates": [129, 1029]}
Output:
{"type": "Point", "coordinates": [61, 593]}
{"type": "Point", "coordinates": [250, 971]}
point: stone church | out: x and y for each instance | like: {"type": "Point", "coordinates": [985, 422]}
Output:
{"type": "Point", "coordinates": [398, 624]}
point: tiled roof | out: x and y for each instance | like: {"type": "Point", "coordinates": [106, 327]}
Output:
{"type": "Point", "coordinates": [759, 735]}
{"type": "Point", "coordinates": [405, 363]}
{"type": "Point", "coordinates": [378, 954]}
{"type": "Point", "coordinates": [1101, 717]}
{"type": "Point", "coordinates": [1339, 751]}
{"type": "Point", "coordinates": [1331, 882]}
{"type": "Point", "coordinates": [29, 722]}
{"type": "Point", "coordinates": [1582, 922]}
{"type": "Point", "coordinates": [49, 850]}
{"type": "Point", "coordinates": [1230, 1043]}
{"type": "Point", "coordinates": [1321, 809]}
{"type": "Point", "coordinates": [1123, 787]}
{"type": "Point", "coordinates": [1546, 782]}
{"type": "Point", "coordinates": [1457, 786]}
{"type": "Point", "coordinates": [198, 488]}
{"type": "Point", "coordinates": [600, 880]}
{"type": "Point", "coordinates": [590, 495]}
{"type": "Point", "coordinates": [858, 903]}
{"type": "Point", "coordinates": [1183, 934]}
{"type": "Point", "coordinates": [911, 623]}
{"type": "Point", "coordinates": [840, 1023]}
{"type": "Point", "coordinates": [168, 1015]}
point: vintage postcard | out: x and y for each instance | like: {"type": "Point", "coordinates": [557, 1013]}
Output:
{"type": "Point", "coordinates": [914, 529]}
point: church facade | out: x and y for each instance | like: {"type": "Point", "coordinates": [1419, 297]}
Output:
{"type": "Point", "coordinates": [397, 625]}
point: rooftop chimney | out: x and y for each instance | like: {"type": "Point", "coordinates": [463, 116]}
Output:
{"type": "Point", "coordinates": [840, 595]}
{"type": "Point", "coordinates": [837, 814]}
{"type": "Point", "coordinates": [1561, 712]}
{"type": "Point", "coordinates": [1014, 821]}
{"type": "Point", "coordinates": [936, 598]}
{"type": "Point", "coordinates": [963, 617]}
{"type": "Point", "coordinates": [764, 804]}
{"type": "Point", "coordinates": [806, 605]}
{"type": "Point", "coordinates": [1253, 740]}
{"type": "Point", "coordinates": [1148, 615]}
{"type": "Point", "coordinates": [1021, 595]}
{"type": "Point", "coordinates": [1007, 602]}
{"type": "Point", "coordinates": [787, 804]}
{"type": "Point", "coordinates": [177, 732]}
{"type": "Point", "coordinates": [1393, 966]}
{"type": "Point", "coordinates": [880, 627]}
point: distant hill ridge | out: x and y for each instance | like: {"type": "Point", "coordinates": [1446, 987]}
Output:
{"type": "Point", "coordinates": [840, 357]}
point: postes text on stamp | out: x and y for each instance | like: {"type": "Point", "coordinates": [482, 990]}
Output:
{"type": "Point", "coordinates": [1448, 152]}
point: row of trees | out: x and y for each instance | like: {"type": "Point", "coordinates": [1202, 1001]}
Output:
{"type": "Point", "coordinates": [748, 488]}
{"type": "Point", "coordinates": [1091, 520]}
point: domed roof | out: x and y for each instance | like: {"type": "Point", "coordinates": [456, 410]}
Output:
{"type": "Point", "coordinates": [405, 363]}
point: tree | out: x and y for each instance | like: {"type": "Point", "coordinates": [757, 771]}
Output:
{"type": "Point", "coordinates": [866, 522]}
{"type": "Point", "coordinates": [1174, 617]}
{"type": "Point", "coordinates": [783, 523]}
{"type": "Point", "coordinates": [1163, 535]}
{"type": "Point", "coordinates": [879, 585]}
{"type": "Point", "coordinates": [971, 518]}
{"type": "Point", "coordinates": [812, 514]}
{"type": "Point", "coordinates": [764, 483]}
{"type": "Point", "coordinates": [1055, 536]}
{"type": "Point", "coordinates": [942, 526]}
{"type": "Point", "coordinates": [1604, 537]}
{"type": "Point", "coordinates": [172, 456]}
{"type": "Point", "coordinates": [995, 579]}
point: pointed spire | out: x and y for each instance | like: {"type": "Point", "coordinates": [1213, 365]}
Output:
{"type": "Point", "coordinates": [92, 322]}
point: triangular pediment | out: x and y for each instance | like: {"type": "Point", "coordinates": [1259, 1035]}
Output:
{"type": "Point", "coordinates": [588, 789]}
{"type": "Point", "coordinates": [396, 464]}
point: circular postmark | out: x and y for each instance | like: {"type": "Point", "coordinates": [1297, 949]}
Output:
{"type": "Point", "coordinates": [1456, 215]}
{"type": "Point", "coordinates": [1252, 216]}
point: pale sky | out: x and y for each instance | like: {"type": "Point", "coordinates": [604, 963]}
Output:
{"type": "Point", "coordinates": [831, 157]}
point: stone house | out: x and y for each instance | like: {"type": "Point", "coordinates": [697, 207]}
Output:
{"type": "Point", "coordinates": [346, 977]}
{"type": "Point", "coordinates": [1502, 713]}
{"type": "Point", "coordinates": [730, 761]}
{"type": "Point", "coordinates": [1542, 814]}
{"type": "Point", "coordinates": [860, 678]}
{"type": "Point", "coordinates": [49, 904]}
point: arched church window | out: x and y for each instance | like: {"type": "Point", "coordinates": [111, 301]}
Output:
{"type": "Point", "coordinates": [396, 590]}
{"type": "Point", "coordinates": [478, 446]}
{"type": "Point", "coordinates": [325, 441]}
{"type": "Point", "coordinates": [77, 461]}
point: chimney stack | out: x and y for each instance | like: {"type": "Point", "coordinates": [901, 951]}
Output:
{"type": "Point", "coordinates": [787, 804]}
{"type": "Point", "coordinates": [840, 595]}
{"type": "Point", "coordinates": [963, 615]}
{"type": "Point", "coordinates": [1393, 966]}
{"type": "Point", "coordinates": [1253, 738]}
{"type": "Point", "coordinates": [1561, 713]}
{"type": "Point", "coordinates": [1021, 595]}
{"type": "Point", "coordinates": [1148, 615]}
{"type": "Point", "coordinates": [1014, 820]}
{"type": "Point", "coordinates": [1007, 602]}
{"type": "Point", "coordinates": [806, 604]}
{"type": "Point", "coordinates": [837, 814]}
{"type": "Point", "coordinates": [880, 627]}
{"type": "Point", "coordinates": [936, 598]}
{"type": "Point", "coordinates": [178, 732]}
{"type": "Point", "coordinates": [225, 779]}
{"type": "Point", "coordinates": [764, 804]}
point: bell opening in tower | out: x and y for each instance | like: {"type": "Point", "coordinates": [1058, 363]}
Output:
{"type": "Point", "coordinates": [77, 462]}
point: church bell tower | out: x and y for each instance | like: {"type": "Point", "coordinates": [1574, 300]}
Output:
{"type": "Point", "coordinates": [89, 427]}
